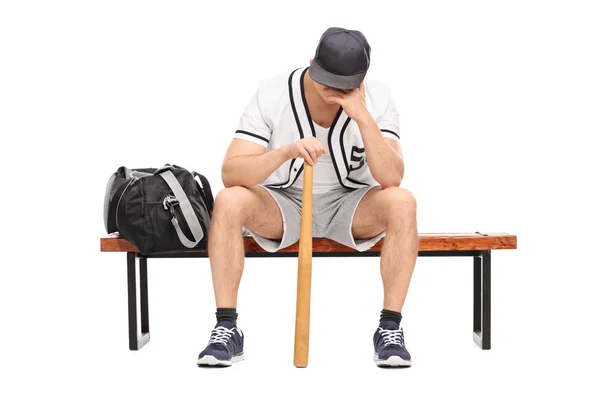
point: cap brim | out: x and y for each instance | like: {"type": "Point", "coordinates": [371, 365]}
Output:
{"type": "Point", "coordinates": [318, 74]}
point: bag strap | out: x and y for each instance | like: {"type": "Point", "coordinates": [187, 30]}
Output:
{"type": "Point", "coordinates": [206, 191]}
{"type": "Point", "coordinates": [188, 212]}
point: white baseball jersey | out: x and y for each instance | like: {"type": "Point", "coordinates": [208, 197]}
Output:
{"type": "Point", "coordinates": [324, 176]}
{"type": "Point", "coordinates": [278, 115]}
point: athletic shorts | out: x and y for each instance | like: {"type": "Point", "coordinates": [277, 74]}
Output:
{"type": "Point", "coordinates": [333, 213]}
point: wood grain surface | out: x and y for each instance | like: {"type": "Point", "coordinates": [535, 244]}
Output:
{"type": "Point", "coordinates": [427, 242]}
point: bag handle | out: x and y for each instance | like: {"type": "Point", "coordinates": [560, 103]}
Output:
{"type": "Point", "coordinates": [188, 212]}
{"type": "Point", "coordinates": [206, 191]}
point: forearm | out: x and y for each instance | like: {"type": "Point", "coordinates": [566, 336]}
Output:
{"type": "Point", "coordinates": [251, 170]}
{"type": "Point", "coordinates": [385, 163]}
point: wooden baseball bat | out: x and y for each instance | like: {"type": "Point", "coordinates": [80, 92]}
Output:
{"type": "Point", "coordinates": [304, 272]}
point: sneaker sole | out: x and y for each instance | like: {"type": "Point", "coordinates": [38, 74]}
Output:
{"type": "Point", "coordinates": [393, 361]}
{"type": "Point", "coordinates": [212, 361]}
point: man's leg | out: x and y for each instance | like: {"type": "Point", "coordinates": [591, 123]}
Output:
{"type": "Point", "coordinates": [234, 207]}
{"type": "Point", "coordinates": [394, 210]}
{"type": "Point", "coordinates": [253, 208]}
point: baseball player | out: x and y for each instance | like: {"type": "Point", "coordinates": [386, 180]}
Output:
{"type": "Point", "coordinates": [346, 127]}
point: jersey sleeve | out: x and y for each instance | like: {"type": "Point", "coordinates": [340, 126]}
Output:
{"type": "Point", "coordinates": [252, 125]}
{"type": "Point", "coordinates": [389, 122]}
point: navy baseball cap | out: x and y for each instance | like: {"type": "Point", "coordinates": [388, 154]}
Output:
{"type": "Point", "coordinates": [341, 60]}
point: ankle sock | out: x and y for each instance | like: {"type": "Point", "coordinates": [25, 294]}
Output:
{"type": "Point", "coordinates": [388, 315]}
{"type": "Point", "coordinates": [226, 314]}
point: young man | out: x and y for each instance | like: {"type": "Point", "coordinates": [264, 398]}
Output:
{"type": "Point", "coordinates": [348, 130]}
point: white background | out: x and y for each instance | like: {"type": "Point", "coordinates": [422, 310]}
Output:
{"type": "Point", "coordinates": [500, 116]}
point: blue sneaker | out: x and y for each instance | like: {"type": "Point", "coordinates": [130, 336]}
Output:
{"type": "Point", "coordinates": [225, 347]}
{"type": "Point", "coordinates": [390, 350]}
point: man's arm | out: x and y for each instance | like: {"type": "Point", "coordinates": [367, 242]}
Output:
{"type": "Point", "coordinates": [383, 154]}
{"type": "Point", "coordinates": [248, 164]}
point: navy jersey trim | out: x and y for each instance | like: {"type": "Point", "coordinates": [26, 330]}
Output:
{"type": "Point", "coordinates": [332, 153]}
{"type": "Point", "coordinates": [392, 132]}
{"type": "Point", "coordinates": [343, 150]}
{"type": "Point", "coordinates": [283, 184]}
{"type": "Point", "coordinates": [310, 121]}
{"type": "Point", "coordinates": [291, 90]}
{"type": "Point", "coordinates": [252, 134]}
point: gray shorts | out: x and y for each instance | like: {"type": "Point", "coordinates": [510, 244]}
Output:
{"type": "Point", "coordinates": [333, 213]}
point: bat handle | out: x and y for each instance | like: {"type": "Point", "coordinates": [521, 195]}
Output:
{"type": "Point", "coordinates": [304, 272]}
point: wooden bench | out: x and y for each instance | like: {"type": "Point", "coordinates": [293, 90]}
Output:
{"type": "Point", "coordinates": [477, 245]}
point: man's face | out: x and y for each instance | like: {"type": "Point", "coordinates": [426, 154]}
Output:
{"type": "Point", "coordinates": [325, 91]}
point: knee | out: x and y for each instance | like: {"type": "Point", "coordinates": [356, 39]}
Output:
{"type": "Point", "coordinates": [230, 202]}
{"type": "Point", "coordinates": [400, 201]}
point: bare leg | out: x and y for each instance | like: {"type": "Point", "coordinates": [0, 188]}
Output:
{"type": "Point", "coordinates": [393, 209]}
{"type": "Point", "coordinates": [234, 207]}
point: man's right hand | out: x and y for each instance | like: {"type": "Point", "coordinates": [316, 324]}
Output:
{"type": "Point", "coordinates": [309, 148]}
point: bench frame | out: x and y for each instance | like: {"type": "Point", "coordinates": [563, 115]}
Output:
{"type": "Point", "coordinates": [481, 287]}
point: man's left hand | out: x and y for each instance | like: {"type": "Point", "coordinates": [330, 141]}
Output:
{"type": "Point", "coordinates": [352, 101]}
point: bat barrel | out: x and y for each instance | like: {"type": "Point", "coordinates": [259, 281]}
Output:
{"type": "Point", "coordinates": [304, 272]}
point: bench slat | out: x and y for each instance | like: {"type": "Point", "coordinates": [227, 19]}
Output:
{"type": "Point", "coordinates": [427, 242]}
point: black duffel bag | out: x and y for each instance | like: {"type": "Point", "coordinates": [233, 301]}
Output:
{"type": "Point", "coordinates": [159, 210]}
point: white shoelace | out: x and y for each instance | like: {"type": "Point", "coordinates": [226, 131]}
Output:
{"type": "Point", "coordinates": [392, 336]}
{"type": "Point", "coordinates": [220, 335]}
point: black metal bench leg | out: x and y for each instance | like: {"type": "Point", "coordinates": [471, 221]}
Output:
{"type": "Point", "coordinates": [135, 342]}
{"type": "Point", "coordinates": [482, 300]}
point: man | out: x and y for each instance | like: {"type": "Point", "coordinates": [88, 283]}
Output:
{"type": "Point", "coordinates": [348, 130]}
